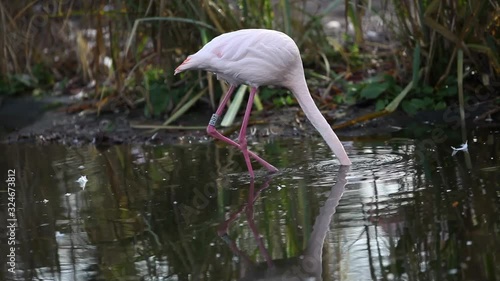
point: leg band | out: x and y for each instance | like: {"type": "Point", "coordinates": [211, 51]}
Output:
{"type": "Point", "coordinates": [213, 120]}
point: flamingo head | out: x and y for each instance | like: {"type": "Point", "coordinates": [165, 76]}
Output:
{"type": "Point", "coordinates": [185, 65]}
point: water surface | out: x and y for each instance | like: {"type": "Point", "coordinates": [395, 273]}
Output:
{"type": "Point", "coordinates": [406, 210]}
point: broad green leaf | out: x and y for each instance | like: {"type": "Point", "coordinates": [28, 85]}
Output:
{"type": "Point", "coordinates": [372, 91]}
{"type": "Point", "coordinates": [450, 90]}
{"type": "Point", "coordinates": [380, 104]}
{"type": "Point", "coordinates": [389, 79]}
{"type": "Point", "coordinates": [418, 103]}
{"type": "Point", "coordinates": [427, 90]}
{"type": "Point", "coordinates": [440, 105]}
{"type": "Point", "coordinates": [159, 100]}
{"type": "Point", "coordinates": [427, 102]}
{"type": "Point", "coordinates": [409, 107]}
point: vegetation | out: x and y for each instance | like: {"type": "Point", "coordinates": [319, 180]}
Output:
{"type": "Point", "coordinates": [124, 53]}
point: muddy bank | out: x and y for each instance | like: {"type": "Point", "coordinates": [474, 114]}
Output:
{"type": "Point", "coordinates": [37, 121]}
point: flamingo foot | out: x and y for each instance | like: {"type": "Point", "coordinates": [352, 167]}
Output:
{"type": "Point", "coordinates": [217, 135]}
{"type": "Point", "coordinates": [242, 143]}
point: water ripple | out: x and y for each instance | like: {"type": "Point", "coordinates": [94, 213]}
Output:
{"type": "Point", "coordinates": [379, 163]}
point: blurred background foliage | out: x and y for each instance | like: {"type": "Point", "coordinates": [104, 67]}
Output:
{"type": "Point", "coordinates": [122, 53]}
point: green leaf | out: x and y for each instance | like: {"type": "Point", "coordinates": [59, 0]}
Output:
{"type": "Point", "coordinates": [349, 100]}
{"type": "Point", "coordinates": [381, 104]}
{"type": "Point", "coordinates": [372, 91]}
{"type": "Point", "coordinates": [440, 105]}
{"type": "Point", "coordinates": [389, 79]}
{"type": "Point", "coordinates": [409, 107]}
{"type": "Point", "coordinates": [427, 103]}
{"type": "Point", "coordinates": [267, 93]}
{"type": "Point", "coordinates": [353, 89]}
{"type": "Point", "coordinates": [159, 100]}
{"type": "Point", "coordinates": [397, 89]}
{"type": "Point", "coordinates": [451, 90]}
{"type": "Point", "coordinates": [427, 90]}
{"type": "Point", "coordinates": [418, 103]}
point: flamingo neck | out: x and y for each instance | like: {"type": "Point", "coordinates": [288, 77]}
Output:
{"type": "Point", "coordinates": [306, 102]}
{"type": "Point", "coordinates": [322, 222]}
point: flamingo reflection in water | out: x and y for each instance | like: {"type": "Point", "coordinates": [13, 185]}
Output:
{"type": "Point", "coordinates": [307, 266]}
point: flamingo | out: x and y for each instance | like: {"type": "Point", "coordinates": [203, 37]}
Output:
{"type": "Point", "coordinates": [259, 57]}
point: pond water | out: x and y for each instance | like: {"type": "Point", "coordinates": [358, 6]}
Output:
{"type": "Point", "coordinates": [406, 210]}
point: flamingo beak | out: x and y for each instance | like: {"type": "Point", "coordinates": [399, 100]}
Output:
{"type": "Point", "coordinates": [180, 68]}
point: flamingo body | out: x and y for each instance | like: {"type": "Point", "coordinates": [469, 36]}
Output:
{"type": "Point", "coordinates": [256, 57]}
{"type": "Point", "coordinates": [259, 57]}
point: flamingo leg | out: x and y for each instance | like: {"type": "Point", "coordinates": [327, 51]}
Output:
{"type": "Point", "coordinates": [242, 138]}
{"type": "Point", "coordinates": [216, 134]}
{"type": "Point", "coordinates": [252, 197]}
{"type": "Point", "coordinates": [223, 228]}
{"type": "Point", "coordinates": [229, 93]}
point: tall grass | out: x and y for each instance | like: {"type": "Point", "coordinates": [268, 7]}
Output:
{"type": "Point", "coordinates": [429, 35]}
{"type": "Point", "coordinates": [442, 28]}
{"type": "Point", "coordinates": [83, 43]}
{"type": "Point", "coordinates": [64, 45]}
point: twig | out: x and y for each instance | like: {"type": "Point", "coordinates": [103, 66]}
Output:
{"type": "Point", "coordinates": [487, 113]}
{"type": "Point", "coordinates": [159, 127]}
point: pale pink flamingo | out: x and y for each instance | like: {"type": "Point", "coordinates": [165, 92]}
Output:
{"type": "Point", "coordinates": [259, 57]}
